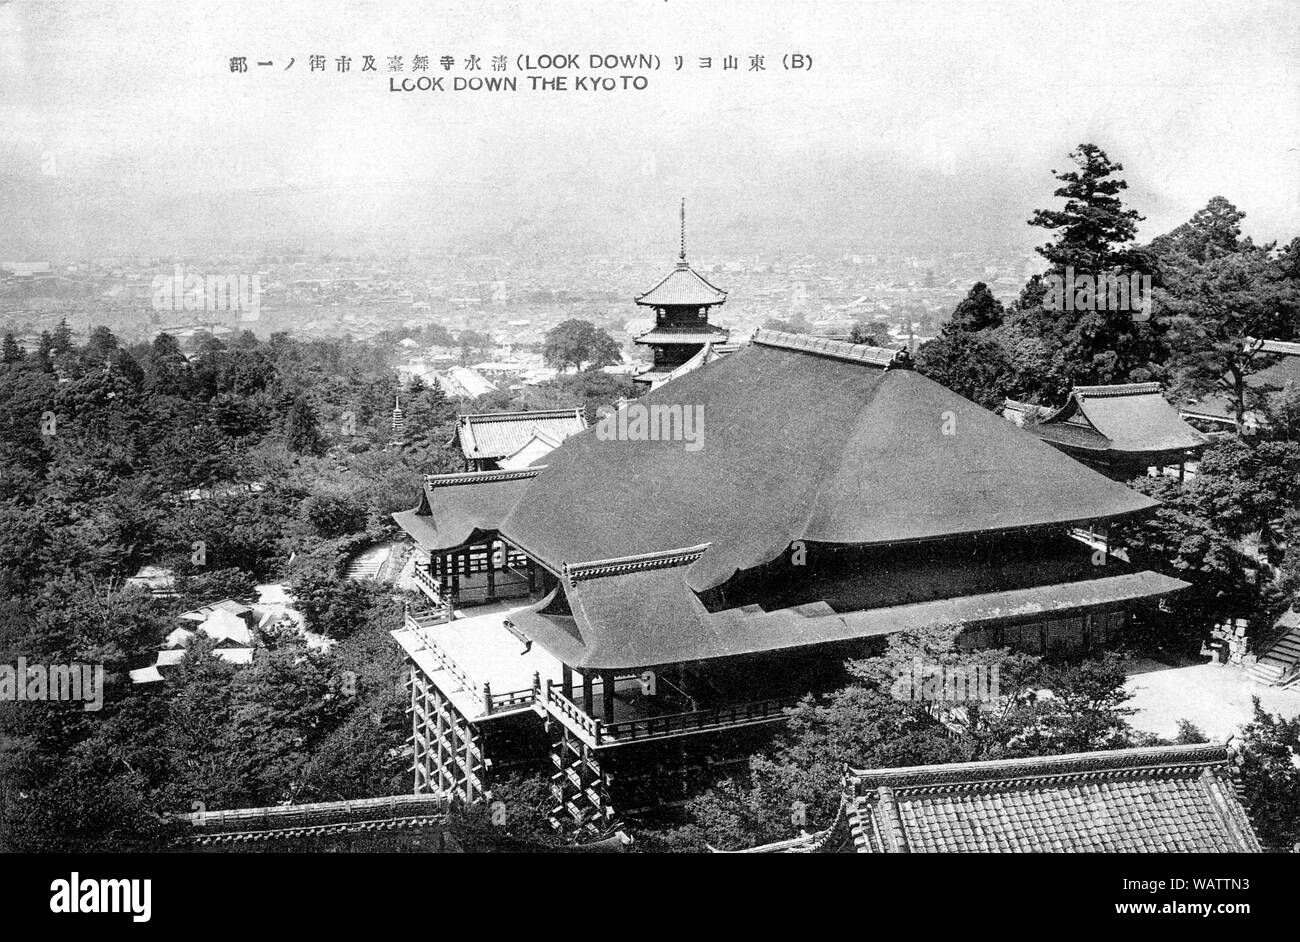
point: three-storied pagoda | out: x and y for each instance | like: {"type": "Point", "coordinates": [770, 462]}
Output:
{"type": "Point", "coordinates": [667, 594]}
{"type": "Point", "coordinates": [682, 332]}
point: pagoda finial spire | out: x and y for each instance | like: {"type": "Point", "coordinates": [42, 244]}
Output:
{"type": "Point", "coordinates": [682, 256]}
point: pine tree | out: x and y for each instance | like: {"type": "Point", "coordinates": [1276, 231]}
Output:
{"type": "Point", "coordinates": [302, 435]}
{"type": "Point", "coordinates": [10, 352]}
{"type": "Point", "coordinates": [1093, 226]}
{"type": "Point", "coordinates": [62, 339]}
{"type": "Point", "coordinates": [45, 351]}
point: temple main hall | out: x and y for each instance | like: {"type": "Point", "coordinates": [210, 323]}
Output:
{"type": "Point", "coordinates": [622, 607]}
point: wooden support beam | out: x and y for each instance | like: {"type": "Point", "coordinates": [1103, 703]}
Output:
{"type": "Point", "coordinates": [607, 694]}
{"type": "Point", "coordinates": [566, 681]}
{"type": "Point", "coordinates": [588, 694]}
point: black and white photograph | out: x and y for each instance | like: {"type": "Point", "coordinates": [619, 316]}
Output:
{"type": "Point", "coordinates": [726, 429]}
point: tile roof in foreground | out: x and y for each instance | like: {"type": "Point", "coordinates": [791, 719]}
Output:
{"type": "Point", "coordinates": [1162, 799]}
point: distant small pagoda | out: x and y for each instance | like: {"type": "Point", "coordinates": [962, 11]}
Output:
{"type": "Point", "coordinates": [681, 302]}
{"type": "Point", "coordinates": [399, 424]}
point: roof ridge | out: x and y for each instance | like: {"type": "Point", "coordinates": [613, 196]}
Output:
{"type": "Point", "coordinates": [1147, 758]}
{"type": "Point", "coordinates": [524, 413]}
{"type": "Point", "coordinates": [1229, 816]}
{"type": "Point", "coordinates": [836, 349]}
{"type": "Point", "coordinates": [621, 565]}
{"type": "Point", "coordinates": [480, 477]}
{"type": "Point", "coordinates": [1289, 347]}
{"type": "Point", "coordinates": [1117, 389]}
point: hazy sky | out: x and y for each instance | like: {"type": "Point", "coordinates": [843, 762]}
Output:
{"type": "Point", "coordinates": [122, 128]}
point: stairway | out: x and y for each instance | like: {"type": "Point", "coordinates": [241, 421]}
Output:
{"type": "Point", "coordinates": [367, 564]}
{"type": "Point", "coordinates": [1280, 663]}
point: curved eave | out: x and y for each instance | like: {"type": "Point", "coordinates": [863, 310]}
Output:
{"type": "Point", "coordinates": [650, 618]}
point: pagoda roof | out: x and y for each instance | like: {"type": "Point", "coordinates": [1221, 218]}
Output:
{"type": "Point", "coordinates": [1133, 419]}
{"type": "Point", "coordinates": [1162, 799]}
{"type": "Point", "coordinates": [682, 287]}
{"type": "Point", "coordinates": [804, 439]}
{"type": "Point", "coordinates": [456, 509]}
{"type": "Point", "coordinates": [707, 333]}
{"type": "Point", "coordinates": [496, 435]}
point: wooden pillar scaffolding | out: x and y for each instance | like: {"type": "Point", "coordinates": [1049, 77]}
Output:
{"type": "Point", "coordinates": [447, 750]}
{"type": "Point", "coordinates": [579, 785]}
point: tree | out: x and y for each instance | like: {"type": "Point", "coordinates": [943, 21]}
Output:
{"type": "Point", "coordinates": [966, 356]}
{"type": "Point", "coordinates": [1094, 225]}
{"type": "Point", "coordinates": [1087, 342]}
{"type": "Point", "coordinates": [1217, 311]}
{"type": "Point", "coordinates": [333, 605]}
{"type": "Point", "coordinates": [45, 351]}
{"type": "Point", "coordinates": [979, 310]}
{"type": "Point", "coordinates": [1186, 538]}
{"type": "Point", "coordinates": [860, 333]}
{"type": "Point", "coordinates": [302, 432]}
{"type": "Point", "coordinates": [971, 365]}
{"type": "Point", "coordinates": [333, 515]}
{"type": "Point", "coordinates": [62, 337]}
{"type": "Point", "coordinates": [101, 345]}
{"type": "Point", "coordinates": [576, 342]}
{"type": "Point", "coordinates": [1270, 777]}
{"type": "Point", "coordinates": [1213, 231]}
{"type": "Point", "coordinates": [10, 352]}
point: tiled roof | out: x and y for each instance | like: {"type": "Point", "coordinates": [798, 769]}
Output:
{"type": "Point", "coordinates": [826, 443]}
{"type": "Point", "coordinates": [494, 435]}
{"type": "Point", "coordinates": [240, 825]}
{"type": "Point", "coordinates": [457, 508]}
{"type": "Point", "coordinates": [1164, 799]}
{"type": "Point", "coordinates": [1282, 347]}
{"type": "Point", "coordinates": [706, 334]}
{"type": "Point", "coordinates": [684, 287]}
{"type": "Point", "coordinates": [1132, 418]}
{"type": "Point", "coordinates": [619, 618]}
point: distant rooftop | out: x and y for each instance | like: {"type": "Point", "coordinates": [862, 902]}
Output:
{"type": "Point", "coordinates": [496, 435]}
